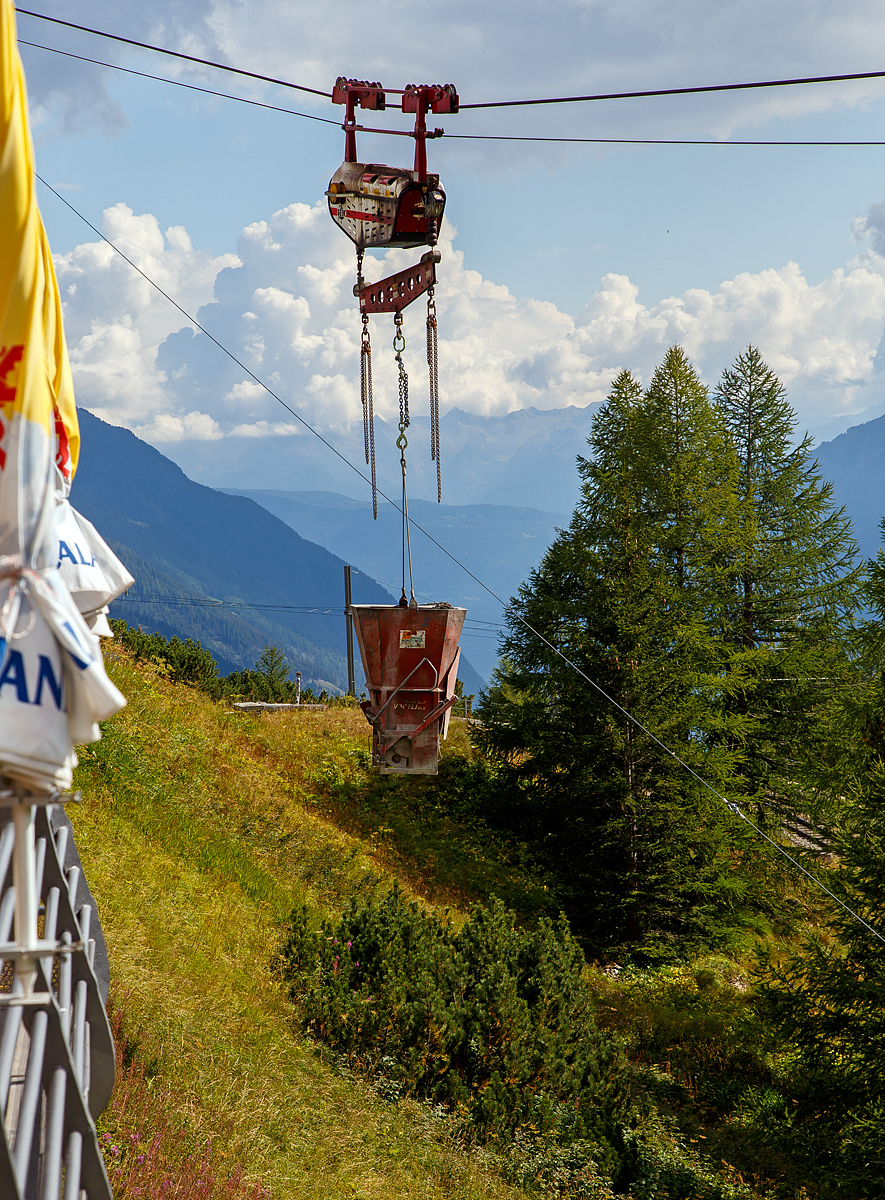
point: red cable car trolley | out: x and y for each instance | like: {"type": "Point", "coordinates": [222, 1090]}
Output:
{"type": "Point", "coordinates": [409, 651]}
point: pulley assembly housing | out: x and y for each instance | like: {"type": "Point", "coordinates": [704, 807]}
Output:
{"type": "Point", "coordinates": [385, 206]}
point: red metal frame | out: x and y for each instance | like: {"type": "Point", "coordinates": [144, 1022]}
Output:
{"type": "Point", "coordinates": [420, 99]}
{"type": "Point", "coordinates": [352, 92]}
{"type": "Point", "coordinates": [394, 293]}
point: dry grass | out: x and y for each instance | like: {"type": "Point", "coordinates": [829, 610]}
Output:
{"type": "Point", "coordinates": [199, 833]}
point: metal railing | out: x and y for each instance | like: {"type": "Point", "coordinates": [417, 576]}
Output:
{"type": "Point", "coordinates": [56, 1049]}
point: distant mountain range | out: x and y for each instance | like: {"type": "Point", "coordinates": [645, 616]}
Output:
{"type": "Point", "coordinates": [509, 483]}
{"type": "Point", "coordinates": [854, 463]}
{"type": "Point", "coordinates": [186, 541]}
{"type": "Point", "coordinates": [831, 429]}
{"type": "Point", "coordinates": [526, 458]}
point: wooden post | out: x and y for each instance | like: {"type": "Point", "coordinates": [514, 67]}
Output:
{"type": "Point", "coordinates": [348, 620]}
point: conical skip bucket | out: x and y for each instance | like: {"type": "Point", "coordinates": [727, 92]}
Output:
{"type": "Point", "coordinates": [410, 656]}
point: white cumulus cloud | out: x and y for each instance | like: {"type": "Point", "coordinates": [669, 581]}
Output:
{"type": "Point", "coordinates": [165, 427]}
{"type": "Point", "coordinates": [283, 306]}
{"type": "Point", "coordinates": [115, 319]}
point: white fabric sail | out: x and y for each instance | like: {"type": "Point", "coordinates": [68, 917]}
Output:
{"type": "Point", "coordinates": [35, 745]}
{"type": "Point", "coordinates": [92, 572]}
{"type": "Point", "coordinates": [53, 686]}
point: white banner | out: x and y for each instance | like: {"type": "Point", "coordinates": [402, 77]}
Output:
{"type": "Point", "coordinates": [92, 572]}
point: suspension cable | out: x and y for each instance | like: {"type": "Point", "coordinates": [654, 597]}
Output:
{"type": "Point", "coordinates": [729, 804]}
{"type": "Point", "coordinates": [203, 62]}
{"type": "Point", "coordinates": [680, 91]}
{"type": "Point", "coordinates": [496, 137]}
{"type": "Point", "coordinates": [464, 137]}
{"type": "Point", "coordinates": [191, 87]}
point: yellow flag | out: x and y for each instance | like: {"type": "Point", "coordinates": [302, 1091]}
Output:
{"type": "Point", "coordinates": [38, 416]}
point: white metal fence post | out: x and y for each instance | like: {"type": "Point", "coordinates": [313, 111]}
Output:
{"type": "Point", "coordinates": [24, 877]}
{"type": "Point", "coordinates": [56, 1074]}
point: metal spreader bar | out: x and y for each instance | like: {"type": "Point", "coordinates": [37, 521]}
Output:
{"type": "Point", "coordinates": [57, 1058]}
{"type": "Point", "coordinates": [392, 294]}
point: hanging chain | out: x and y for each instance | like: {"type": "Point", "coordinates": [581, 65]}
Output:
{"type": "Point", "coordinates": [433, 372]}
{"type": "Point", "coordinates": [399, 344]}
{"type": "Point", "coordinates": [368, 400]}
{"type": "Point", "coordinates": [366, 390]}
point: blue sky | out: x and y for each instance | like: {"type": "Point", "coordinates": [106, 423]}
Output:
{"type": "Point", "coordinates": [568, 262]}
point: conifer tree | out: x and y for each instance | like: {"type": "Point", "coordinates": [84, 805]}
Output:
{"type": "Point", "coordinates": [794, 581]}
{"type": "Point", "coordinates": [827, 999]}
{"type": "Point", "coordinates": [630, 592]}
{"type": "Point", "coordinates": [273, 667]}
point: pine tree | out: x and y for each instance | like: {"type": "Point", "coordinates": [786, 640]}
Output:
{"type": "Point", "coordinates": [630, 592]}
{"type": "Point", "coordinates": [794, 581]}
{"type": "Point", "coordinates": [273, 667]}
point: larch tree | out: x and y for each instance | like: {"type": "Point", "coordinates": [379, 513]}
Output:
{"type": "Point", "coordinates": [273, 667]}
{"type": "Point", "coordinates": [826, 999]}
{"type": "Point", "coordinates": [631, 593]}
{"type": "Point", "coordinates": [794, 583]}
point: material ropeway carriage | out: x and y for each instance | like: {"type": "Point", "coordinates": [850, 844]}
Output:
{"type": "Point", "coordinates": [409, 651]}
{"type": "Point", "coordinates": [377, 205]}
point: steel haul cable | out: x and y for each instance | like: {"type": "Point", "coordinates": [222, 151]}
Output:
{"type": "Point", "coordinates": [477, 629]}
{"type": "Point", "coordinates": [191, 87]}
{"type": "Point", "coordinates": [461, 137]}
{"type": "Point", "coordinates": [729, 804]}
{"type": "Point", "coordinates": [203, 62]}
{"type": "Point", "coordinates": [701, 89]}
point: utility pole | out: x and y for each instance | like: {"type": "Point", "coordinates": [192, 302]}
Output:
{"type": "Point", "coordinates": [348, 620]}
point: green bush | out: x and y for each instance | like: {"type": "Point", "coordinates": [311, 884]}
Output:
{"type": "Point", "coordinates": [186, 661]}
{"type": "Point", "coordinates": [493, 1022]}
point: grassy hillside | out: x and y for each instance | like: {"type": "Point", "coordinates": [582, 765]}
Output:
{"type": "Point", "coordinates": [200, 830]}
{"type": "Point", "coordinates": [203, 828]}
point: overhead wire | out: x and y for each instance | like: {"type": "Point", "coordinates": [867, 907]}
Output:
{"type": "Point", "coordinates": [501, 137]}
{"type": "Point", "coordinates": [731, 805]}
{"type": "Point", "coordinates": [180, 83]}
{"type": "Point", "coordinates": [468, 137]}
{"type": "Point", "coordinates": [207, 602]}
{"type": "Point", "coordinates": [695, 90]}
{"type": "Point", "coordinates": [203, 62]}
{"type": "Point", "coordinates": [475, 628]}
{"type": "Point", "coordinates": [234, 606]}
{"type": "Point", "coordinates": [681, 91]}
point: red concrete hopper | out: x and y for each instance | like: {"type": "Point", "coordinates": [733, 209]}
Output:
{"type": "Point", "coordinates": [410, 656]}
